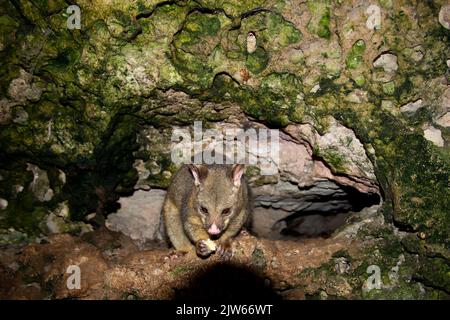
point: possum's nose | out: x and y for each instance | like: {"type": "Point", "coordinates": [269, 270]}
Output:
{"type": "Point", "coordinates": [213, 230]}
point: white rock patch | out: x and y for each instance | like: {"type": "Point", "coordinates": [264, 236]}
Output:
{"type": "Point", "coordinates": [444, 16]}
{"type": "Point", "coordinates": [138, 216]}
{"type": "Point", "coordinates": [434, 135]}
{"type": "Point", "coordinates": [387, 61]}
{"type": "Point", "coordinates": [374, 20]}
{"type": "Point", "coordinates": [412, 106]}
{"type": "Point", "coordinates": [251, 42]}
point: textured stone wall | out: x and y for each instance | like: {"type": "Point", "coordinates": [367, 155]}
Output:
{"type": "Point", "coordinates": [86, 114]}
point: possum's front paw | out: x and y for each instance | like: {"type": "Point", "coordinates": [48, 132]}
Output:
{"type": "Point", "coordinates": [225, 250]}
{"type": "Point", "coordinates": [204, 248]}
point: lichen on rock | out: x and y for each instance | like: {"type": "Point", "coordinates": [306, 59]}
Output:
{"type": "Point", "coordinates": [360, 93]}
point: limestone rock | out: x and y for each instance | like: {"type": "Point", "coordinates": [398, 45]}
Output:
{"type": "Point", "coordinates": [444, 120]}
{"type": "Point", "coordinates": [434, 135]}
{"type": "Point", "coordinates": [3, 204]}
{"type": "Point", "coordinates": [374, 17]}
{"type": "Point", "coordinates": [387, 61]}
{"type": "Point", "coordinates": [357, 96]}
{"type": "Point", "coordinates": [22, 88]}
{"type": "Point", "coordinates": [6, 111]}
{"type": "Point", "coordinates": [139, 215]}
{"type": "Point", "coordinates": [445, 99]}
{"type": "Point", "coordinates": [412, 106]}
{"type": "Point", "coordinates": [143, 174]}
{"type": "Point", "coordinates": [40, 186]}
{"type": "Point", "coordinates": [251, 42]}
{"type": "Point", "coordinates": [21, 116]}
{"type": "Point", "coordinates": [444, 16]}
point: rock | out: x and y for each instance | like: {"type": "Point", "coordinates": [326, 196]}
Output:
{"type": "Point", "coordinates": [21, 116]}
{"type": "Point", "coordinates": [57, 224]}
{"type": "Point", "coordinates": [3, 204]}
{"type": "Point", "coordinates": [251, 42]}
{"type": "Point", "coordinates": [315, 89]}
{"type": "Point", "coordinates": [374, 20]}
{"type": "Point", "coordinates": [412, 106]}
{"type": "Point", "coordinates": [357, 96]}
{"type": "Point", "coordinates": [387, 105]}
{"type": "Point", "coordinates": [143, 174]}
{"type": "Point", "coordinates": [302, 181]}
{"type": "Point", "coordinates": [387, 61]}
{"type": "Point", "coordinates": [393, 274]}
{"type": "Point", "coordinates": [40, 186]}
{"type": "Point", "coordinates": [343, 141]}
{"type": "Point", "coordinates": [342, 265]}
{"type": "Point", "coordinates": [138, 216]}
{"type": "Point", "coordinates": [265, 222]}
{"type": "Point", "coordinates": [445, 99]}
{"type": "Point", "coordinates": [17, 188]}
{"type": "Point", "coordinates": [62, 210]}
{"type": "Point", "coordinates": [444, 16]}
{"type": "Point", "coordinates": [12, 236]}
{"type": "Point", "coordinates": [5, 111]}
{"type": "Point", "coordinates": [62, 177]}
{"type": "Point", "coordinates": [417, 55]}
{"type": "Point", "coordinates": [434, 135]}
{"type": "Point", "coordinates": [52, 225]}
{"type": "Point", "coordinates": [444, 120]}
{"type": "Point", "coordinates": [22, 89]}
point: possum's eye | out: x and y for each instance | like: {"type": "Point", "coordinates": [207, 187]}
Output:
{"type": "Point", "coordinates": [204, 210]}
{"type": "Point", "coordinates": [225, 211]}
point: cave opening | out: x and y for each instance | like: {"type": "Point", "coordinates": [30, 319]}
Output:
{"type": "Point", "coordinates": [319, 214]}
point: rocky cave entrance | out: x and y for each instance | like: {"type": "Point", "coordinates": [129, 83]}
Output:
{"type": "Point", "coordinates": [323, 183]}
{"type": "Point", "coordinates": [324, 210]}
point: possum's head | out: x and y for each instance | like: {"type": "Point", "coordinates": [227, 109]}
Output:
{"type": "Point", "coordinates": [219, 195]}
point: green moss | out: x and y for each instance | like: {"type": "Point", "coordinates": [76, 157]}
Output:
{"type": "Point", "coordinates": [258, 259]}
{"type": "Point", "coordinates": [284, 32]}
{"type": "Point", "coordinates": [194, 44]}
{"type": "Point", "coordinates": [200, 25]}
{"type": "Point", "coordinates": [272, 31]}
{"type": "Point", "coordinates": [161, 180]}
{"type": "Point", "coordinates": [251, 171]}
{"type": "Point", "coordinates": [320, 22]}
{"type": "Point", "coordinates": [27, 220]}
{"type": "Point", "coordinates": [257, 61]}
{"type": "Point", "coordinates": [386, 3]}
{"type": "Point", "coordinates": [324, 26]}
{"type": "Point", "coordinates": [360, 81]}
{"type": "Point", "coordinates": [414, 175]}
{"type": "Point", "coordinates": [355, 57]}
{"type": "Point", "coordinates": [389, 88]}
{"type": "Point", "coordinates": [332, 157]}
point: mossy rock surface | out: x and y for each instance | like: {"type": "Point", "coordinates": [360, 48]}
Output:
{"type": "Point", "coordinates": [76, 100]}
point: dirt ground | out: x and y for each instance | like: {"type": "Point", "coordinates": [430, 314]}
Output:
{"type": "Point", "coordinates": [112, 267]}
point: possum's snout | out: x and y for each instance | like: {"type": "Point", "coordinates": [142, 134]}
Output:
{"type": "Point", "coordinates": [213, 230]}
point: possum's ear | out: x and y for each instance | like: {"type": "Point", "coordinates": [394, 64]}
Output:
{"type": "Point", "coordinates": [199, 173]}
{"type": "Point", "coordinates": [237, 170]}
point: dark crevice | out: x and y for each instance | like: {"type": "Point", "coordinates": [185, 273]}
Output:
{"type": "Point", "coordinates": [322, 214]}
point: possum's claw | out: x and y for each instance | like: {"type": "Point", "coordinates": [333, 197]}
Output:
{"type": "Point", "coordinates": [225, 251]}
